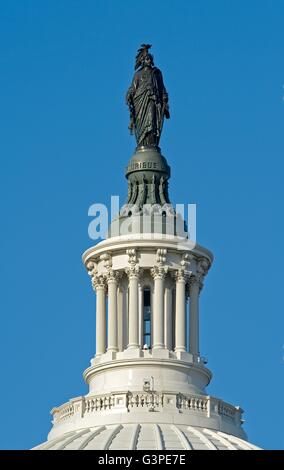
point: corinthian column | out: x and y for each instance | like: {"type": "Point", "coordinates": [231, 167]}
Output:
{"type": "Point", "coordinates": [141, 314]}
{"type": "Point", "coordinates": [158, 273]}
{"type": "Point", "coordinates": [180, 311]}
{"type": "Point", "coordinates": [112, 311]}
{"type": "Point", "coordinates": [133, 319]}
{"type": "Point", "coordinates": [194, 288]}
{"type": "Point", "coordinates": [100, 287]}
{"type": "Point", "coordinates": [168, 318]}
{"type": "Point", "coordinates": [121, 317]}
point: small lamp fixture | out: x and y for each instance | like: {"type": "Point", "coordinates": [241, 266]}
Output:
{"type": "Point", "coordinates": [146, 385]}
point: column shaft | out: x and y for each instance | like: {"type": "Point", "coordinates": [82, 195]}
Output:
{"type": "Point", "coordinates": [141, 315]}
{"type": "Point", "coordinates": [121, 318]}
{"type": "Point", "coordinates": [158, 338]}
{"type": "Point", "coordinates": [133, 334]}
{"type": "Point", "coordinates": [100, 321]}
{"type": "Point", "coordinates": [168, 319]}
{"type": "Point", "coordinates": [112, 315]}
{"type": "Point", "coordinates": [180, 313]}
{"type": "Point", "coordinates": [126, 323]}
{"type": "Point", "coordinates": [194, 318]}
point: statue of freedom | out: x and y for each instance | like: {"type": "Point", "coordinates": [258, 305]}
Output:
{"type": "Point", "coordinates": [147, 100]}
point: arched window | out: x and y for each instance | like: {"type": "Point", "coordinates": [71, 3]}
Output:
{"type": "Point", "coordinates": [147, 317]}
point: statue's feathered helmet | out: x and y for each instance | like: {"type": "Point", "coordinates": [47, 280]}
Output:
{"type": "Point", "coordinates": [142, 54]}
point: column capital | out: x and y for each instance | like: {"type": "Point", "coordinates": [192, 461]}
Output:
{"type": "Point", "coordinates": [98, 282]}
{"type": "Point", "coordinates": [134, 271]}
{"type": "Point", "coordinates": [112, 276]}
{"type": "Point", "coordinates": [180, 275]}
{"type": "Point", "coordinates": [195, 281]}
{"type": "Point", "coordinates": [159, 272]}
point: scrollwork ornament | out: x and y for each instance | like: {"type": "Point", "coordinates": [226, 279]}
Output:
{"type": "Point", "coordinates": [107, 259]}
{"type": "Point", "coordinates": [161, 255]}
{"type": "Point", "coordinates": [132, 256]}
{"type": "Point", "coordinates": [203, 266]}
{"type": "Point", "coordinates": [91, 268]}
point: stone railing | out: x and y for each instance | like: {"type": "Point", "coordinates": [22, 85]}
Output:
{"type": "Point", "coordinates": [98, 403]}
{"type": "Point", "coordinates": [228, 410]}
{"type": "Point", "coordinates": [192, 402]}
{"type": "Point", "coordinates": [150, 401]}
{"type": "Point", "coordinates": [63, 413]}
{"type": "Point", "coordinates": [66, 411]}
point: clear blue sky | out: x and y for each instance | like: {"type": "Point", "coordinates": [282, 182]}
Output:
{"type": "Point", "coordinates": [64, 143]}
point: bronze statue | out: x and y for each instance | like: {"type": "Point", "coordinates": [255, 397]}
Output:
{"type": "Point", "coordinates": [147, 99]}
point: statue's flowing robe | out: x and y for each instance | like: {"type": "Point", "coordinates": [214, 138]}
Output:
{"type": "Point", "coordinates": [147, 94]}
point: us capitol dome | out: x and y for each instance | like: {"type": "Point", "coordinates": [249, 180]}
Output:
{"type": "Point", "coordinates": [147, 381]}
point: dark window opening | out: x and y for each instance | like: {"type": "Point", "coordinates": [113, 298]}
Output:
{"type": "Point", "coordinates": [147, 318]}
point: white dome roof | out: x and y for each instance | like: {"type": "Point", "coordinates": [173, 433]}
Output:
{"type": "Point", "coordinates": [146, 437]}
